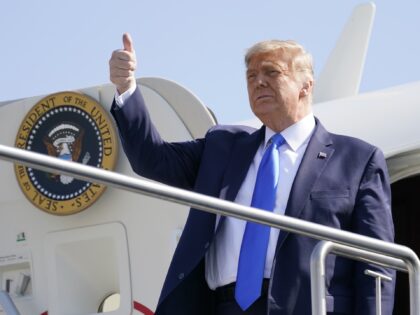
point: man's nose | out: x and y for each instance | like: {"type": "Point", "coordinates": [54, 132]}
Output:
{"type": "Point", "coordinates": [261, 81]}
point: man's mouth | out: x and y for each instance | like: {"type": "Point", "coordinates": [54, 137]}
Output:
{"type": "Point", "coordinates": [263, 97]}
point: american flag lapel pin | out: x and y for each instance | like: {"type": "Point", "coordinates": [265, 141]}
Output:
{"type": "Point", "coordinates": [322, 155]}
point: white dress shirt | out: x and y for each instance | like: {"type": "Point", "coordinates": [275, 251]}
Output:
{"type": "Point", "coordinates": [121, 98]}
{"type": "Point", "coordinates": [223, 255]}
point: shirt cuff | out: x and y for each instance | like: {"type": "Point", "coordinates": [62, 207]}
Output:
{"type": "Point", "coordinates": [121, 99]}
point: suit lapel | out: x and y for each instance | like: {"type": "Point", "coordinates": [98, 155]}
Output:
{"type": "Point", "coordinates": [316, 157]}
{"type": "Point", "coordinates": [243, 153]}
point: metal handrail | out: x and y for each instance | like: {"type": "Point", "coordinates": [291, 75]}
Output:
{"type": "Point", "coordinates": [7, 304]}
{"type": "Point", "coordinates": [223, 207]}
{"type": "Point", "coordinates": [318, 257]}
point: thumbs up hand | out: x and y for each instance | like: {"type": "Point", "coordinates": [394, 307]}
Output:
{"type": "Point", "coordinates": [122, 66]}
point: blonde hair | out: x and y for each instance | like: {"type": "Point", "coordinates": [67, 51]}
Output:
{"type": "Point", "coordinates": [300, 60]}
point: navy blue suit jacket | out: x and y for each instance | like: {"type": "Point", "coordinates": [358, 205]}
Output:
{"type": "Point", "coordinates": [348, 189]}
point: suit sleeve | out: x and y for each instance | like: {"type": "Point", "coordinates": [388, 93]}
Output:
{"type": "Point", "coordinates": [373, 217]}
{"type": "Point", "coordinates": [149, 155]}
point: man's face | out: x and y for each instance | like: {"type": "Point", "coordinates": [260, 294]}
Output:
{"type": "Point", "coordinates": [274, 91]}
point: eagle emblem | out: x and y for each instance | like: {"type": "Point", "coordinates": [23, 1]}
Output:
{"type": "Point", "coordinates": [65, 142]}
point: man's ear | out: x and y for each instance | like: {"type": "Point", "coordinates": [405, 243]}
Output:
{"type": "Point", "coordinates": [306, 88]}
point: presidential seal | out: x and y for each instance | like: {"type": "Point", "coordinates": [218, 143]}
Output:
{"type": "Point", "coordinates": [72, 127]}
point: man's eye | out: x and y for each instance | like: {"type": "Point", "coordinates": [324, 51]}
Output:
{"type": "Point", "coordinates": [251, 76]}
{"type": "Point", "coordinates": [273, 72]}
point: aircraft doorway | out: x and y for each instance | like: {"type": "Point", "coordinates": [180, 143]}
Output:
{"type": "Point", "coordinates": [406, 214]}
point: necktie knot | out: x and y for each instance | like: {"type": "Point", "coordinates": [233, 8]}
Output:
{"type": "Point", "coordinates": [277, 140]}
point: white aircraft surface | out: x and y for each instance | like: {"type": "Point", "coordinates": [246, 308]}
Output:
{"type": "Point", "coordinates": [68, 264]}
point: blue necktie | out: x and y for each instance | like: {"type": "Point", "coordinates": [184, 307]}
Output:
{"type": "Point", "coordinates": [255, 241]}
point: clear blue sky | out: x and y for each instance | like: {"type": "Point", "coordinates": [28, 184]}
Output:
{"type": "Point", "coordinates": [50, 46]}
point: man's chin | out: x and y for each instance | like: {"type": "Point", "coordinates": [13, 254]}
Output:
{"type": "Point", "coordinates": [263, 110]}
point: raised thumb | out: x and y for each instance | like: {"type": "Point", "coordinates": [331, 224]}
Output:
{"type": "Point", "coordinates": [128, 42]}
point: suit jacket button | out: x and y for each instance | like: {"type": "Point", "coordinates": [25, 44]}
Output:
{"type": "Point", "coordinates": [181, 276]}
{"type": "Point", "coordinates": [207, 245]}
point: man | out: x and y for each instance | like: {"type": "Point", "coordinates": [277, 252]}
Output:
{"type": "Point", "coordinates": [313, 175]}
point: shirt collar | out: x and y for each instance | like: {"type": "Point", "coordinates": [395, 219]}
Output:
{"type": "Point", "coordinates": [296, 134]}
